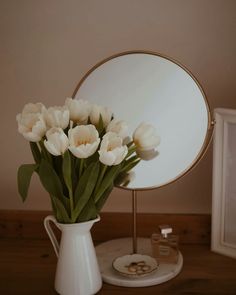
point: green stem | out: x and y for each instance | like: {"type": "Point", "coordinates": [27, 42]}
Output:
{"type": "Point", "coordinates": [71, 202]}
{"type": "Point", "coordinates": [41, 144]}
{"type": "Point", "coordinates": [128, 162]}
{"type": "Point", "coordinates": [130, 144]}
{"type": "Point", "coordinates": [45, 153]}
{"type": "Point", "coordinates": [131, 150]}
{"type": "Point", "coordinates": [69, 187]}
{"type": "Point", "coordinates": [130, 165]}
{"type": "Point", "coordinates": [81, 166]}
{"type": "Point", "coordinates": [104, 168]}
{"type": "Point", "coordinates": [38, 145]}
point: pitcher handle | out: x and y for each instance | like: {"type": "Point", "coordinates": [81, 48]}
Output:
{"type": "Point", "coordinates": [50, 232]}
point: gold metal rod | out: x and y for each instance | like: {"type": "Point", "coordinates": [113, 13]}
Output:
{"type": "Point", "coordinates": [134, 209]}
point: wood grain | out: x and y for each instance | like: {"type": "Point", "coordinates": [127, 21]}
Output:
{"type": "Point", "coordinates": [28, 263]}
{"type": "Point", "coordinates": [27, 267]}
{"type": "Point", "coordinates": [192, 228]}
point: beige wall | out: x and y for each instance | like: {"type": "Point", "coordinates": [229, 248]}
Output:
{"type": "Point", "coordinates": [46, 46]}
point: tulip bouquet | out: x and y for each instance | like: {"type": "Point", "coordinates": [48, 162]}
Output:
{"type": "Point", "coordinates": [79, 150]}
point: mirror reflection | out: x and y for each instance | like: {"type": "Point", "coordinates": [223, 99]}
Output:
{"type": "Point", "coordinates": [148, 87]}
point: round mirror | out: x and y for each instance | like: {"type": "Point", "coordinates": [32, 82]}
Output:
{"type": "Point", "coordinates": [148, 87]}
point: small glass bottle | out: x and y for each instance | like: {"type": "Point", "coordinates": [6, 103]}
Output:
{"type": "Point", "coordinates": [165, 245]}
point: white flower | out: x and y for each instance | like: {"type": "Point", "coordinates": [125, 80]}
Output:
{"type": "Point", "coordinates": [32, 126]}
{"type": "Point", "coordinates": [57, 141]}
{"type": "Point", "coordinates": [112, 152]}
{"type": "Point", "coordinates": [79, 110]}
{"type": "Point", "coordinates": [96, 111]}
{"type": "Point", "coordinates": [119, 127]}
{"type": "Point", "coordinates": [83, 141]}
{"type": "Point", "coordinates": [33, 108]}
{"type": "Point", "coordinates": [57, 117]}
{"type": "Point", "coordinates": [145, 137]}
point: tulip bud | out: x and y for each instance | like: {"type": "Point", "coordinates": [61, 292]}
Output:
{"type": "Point", "coordinates": [119, 127]}
{"type": "Point", "coordinates": [79, 110]}
{"type": "Point", "coordinates": [33, 108]}
{"type": "Point", "coordinates": [112, 151]}
{"type": "Point", "coordinates": [57, 141]}
{"type": "Point", "coordinates": [57, 117]}
{"type": "Point", "coordinates": [145, 137]}
{"type": "Point", "coordinates": [97, 111]}
{"type": "Point", "coordinates": [32, 126]}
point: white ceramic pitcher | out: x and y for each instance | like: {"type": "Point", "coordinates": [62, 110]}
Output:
{"type": "Point", "coordinates": [77, 270]}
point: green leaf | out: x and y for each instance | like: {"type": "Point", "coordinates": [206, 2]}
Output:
{"type": "Point", "coordinates": [100, 126]}
{"type": "Point", "coordinates": [104, 197]}
{"type": "Point", "coordinates": [93, 158]}
{"type": "Point", "coordinates": [66, 169]}
{"type": "Point", "coordinates": [89, 212]}
{"type": "Point", "coordinates": [54, 208]}
{"type": "Point", "coordinates": [129, 160]}
{"type": "Point", "coordinates": [81, 167]}
{"type": "Point", "coordinates": [62, 214]}
{"type": "Point", "coordinates": [81, 185]}
{"type": "Point", "coordinates": [57, 165]}
{"type": "Point", "coordinates": [103, 169]}
{"type": "Point", "coordinates": [85, 189]}
{"type": "Point", "coordinates": [107, 181]}
{"type": "Point", "coordinates": [50, 180]}
{"type": "Point", "coordinates": [35, 152]}
{"type": "Point", "coordinates": [24, 175]}
{"type": "Point", "coordinates": [131, 150]}
{"type": "Point", "coordinates": [77, 165]}
{"type": "Point", "coordinates": [44, 152]}
{"type": "Point", "coordinates": [74, 177]}
{"type": "Point", "coordinates": [130, 166]}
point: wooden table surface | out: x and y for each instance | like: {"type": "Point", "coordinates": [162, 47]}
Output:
{"type": "Point", "coordinates": [27, 267]}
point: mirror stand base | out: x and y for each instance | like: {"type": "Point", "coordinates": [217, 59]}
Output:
{"type": "Point", "coordinates": [108, 251]}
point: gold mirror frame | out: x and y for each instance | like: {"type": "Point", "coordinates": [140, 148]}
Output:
{"type": "Point", "coordinates": [210, 125]}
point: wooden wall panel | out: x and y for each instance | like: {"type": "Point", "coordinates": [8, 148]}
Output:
{"type": "Point", "coordinates": [192, 228]}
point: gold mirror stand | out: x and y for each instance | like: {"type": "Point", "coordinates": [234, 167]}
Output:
{"type": "Point", "coordinates": [134, 213]}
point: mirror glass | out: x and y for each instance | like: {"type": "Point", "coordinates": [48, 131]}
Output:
{"type": "Point", "coordinates": [147, 87]}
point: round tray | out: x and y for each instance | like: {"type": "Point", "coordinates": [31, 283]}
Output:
{"type": "Point", "coordinates": [135, 265]}
{"type": "Point", "coordinates": [107, 252]}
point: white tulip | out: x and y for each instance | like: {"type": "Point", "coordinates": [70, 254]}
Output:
{"type": "Point", "coordinates": [96, 111]}
{"type": "Point", "coordinates": [32, 126]}
{"type": "Point", "coordinates": [33, 108]}
{"type": "Point", "coordinates": [119, 127]}
{"type": "Point", "coordinates": [57, 117]}
{"type": "Point", "coordinates": [57, 142]}
{"type": "Point", "coordinates": [145, 137]}
{"type": "Point", "coordinates": [112, 151]}
{"type": "Point", "coordinates": [83, 141]}
{"type": "Point", "coordinates": [79, 110]}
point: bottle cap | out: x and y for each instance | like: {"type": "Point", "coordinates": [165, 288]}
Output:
{"type": "Point", "coordinates": [165, 229]}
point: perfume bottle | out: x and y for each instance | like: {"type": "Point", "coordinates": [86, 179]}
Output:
{"type": "Point", "coordinates": [165, 245]}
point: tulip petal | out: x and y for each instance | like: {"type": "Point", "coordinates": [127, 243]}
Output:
{"type": "Point", "coordinates": [83, 140]}
{"type": "Point", "coordinates": [145, 137]}
{"type": "Point", "coordinates": [57, 117]}
{"type": "Point", "coordinates": [57, 141]}
{"type": "Point", "coordinates": [107, 158]}
{"type": "Point", "coordinates": [79, 110]}
{"type": "Point", "coordinates": [51, 148]}
{"type": "Point", "coordinates": [31, 126]}
{"type": "Point", "coordinates": [112, 151]}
